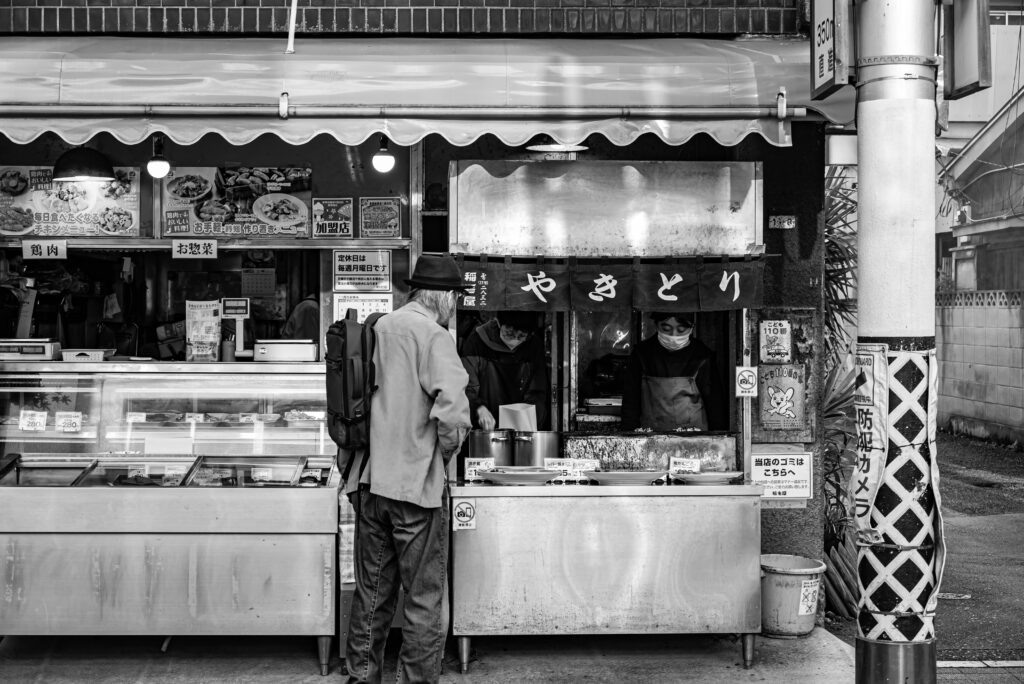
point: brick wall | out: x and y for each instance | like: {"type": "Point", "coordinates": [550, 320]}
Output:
{"type": "Point", "coordinates": [325, 17]}
{"type": "Point", "coordinates": [980, 346]}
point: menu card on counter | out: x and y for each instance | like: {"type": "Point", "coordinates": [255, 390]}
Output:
{"type": "Point", "coordinates": [31, 203]}
{"type": "Point", "coordinates": [237, 202]}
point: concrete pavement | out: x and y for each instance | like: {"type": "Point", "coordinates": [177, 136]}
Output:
{"type": "Point", "coordinates": [819, 657]}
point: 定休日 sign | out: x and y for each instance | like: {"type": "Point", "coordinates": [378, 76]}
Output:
{"type": "Point", "coordinates": [362, 270]}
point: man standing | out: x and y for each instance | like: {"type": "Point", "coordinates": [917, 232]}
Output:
{"type": "Point", "coordinates": [418, 418]}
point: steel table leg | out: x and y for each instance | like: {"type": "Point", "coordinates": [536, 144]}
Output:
{"type": "Point", "coordinates": [748, 651]}
{"type": "Point", "coordinates": [464, 654]}
{"type": "Point", "coordinates": [323, 650]}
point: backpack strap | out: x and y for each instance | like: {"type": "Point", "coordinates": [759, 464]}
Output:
{"type": "Point", "coordinates": [369, 344]}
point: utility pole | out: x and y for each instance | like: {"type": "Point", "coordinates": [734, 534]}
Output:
{"type": "Point", "coordinates": [895, 485]}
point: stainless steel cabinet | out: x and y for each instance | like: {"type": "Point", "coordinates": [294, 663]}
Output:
{"type": "Point", "coordinates": [606, 560]}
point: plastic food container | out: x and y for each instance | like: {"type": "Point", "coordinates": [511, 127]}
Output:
{"type": "Point", "coordinates": [86, 354]}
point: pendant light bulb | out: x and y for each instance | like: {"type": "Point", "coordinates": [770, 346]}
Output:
{"type": "Point", "coordinates": [383, 160]}
{"type": "Point", "coordinates": [158, 166]}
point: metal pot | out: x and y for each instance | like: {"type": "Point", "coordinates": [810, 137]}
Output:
{"type": "Point", "coordinates": [496, 444]}
{"type": "Point", "coordinates": [533, 447]}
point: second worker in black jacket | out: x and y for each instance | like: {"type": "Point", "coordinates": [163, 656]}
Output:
{"type": "Point", "coordinates": [672, 381]}
{"type": "Point", "coordinates": [505, 361]}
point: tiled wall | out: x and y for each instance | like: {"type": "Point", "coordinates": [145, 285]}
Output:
{"type": "Point", "coordinates": [980, 346]}
{"type": "Point", "coordinates": [438, 17]}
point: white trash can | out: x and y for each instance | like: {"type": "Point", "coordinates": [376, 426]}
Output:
{"type": "Point", "coordinates": [789, 594]}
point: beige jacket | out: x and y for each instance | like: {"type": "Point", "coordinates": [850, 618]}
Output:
{"type": "Point", "coordinates": [420, 414]}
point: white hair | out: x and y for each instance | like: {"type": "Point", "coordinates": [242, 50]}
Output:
{"type": "Point", "coordinates": [441, 303]}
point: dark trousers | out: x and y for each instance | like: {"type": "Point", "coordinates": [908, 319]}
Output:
{"type": "Point", "coordinates": [398, 542]}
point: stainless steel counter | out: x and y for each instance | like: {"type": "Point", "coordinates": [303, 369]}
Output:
{"type": "Point", "coordinates": [575, 491]}
{"type": "Point", "coordinates": [311, 367]}
{"type": "Point", "coordinates": [606, 560]}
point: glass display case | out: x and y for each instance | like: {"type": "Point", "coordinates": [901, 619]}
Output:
{"type": "Point", "coordinates": [202, 499]}
{"type": "Point", "coordinates": [57, 413]}
{"type": "Point", "coordinates": [152, 409]}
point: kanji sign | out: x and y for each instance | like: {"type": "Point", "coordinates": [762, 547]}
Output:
{"type": "Point", "coordinates": [602, 288]}
{"type": "Point", "coordinates": [783, 475]}
{"type": "Point", "coordinates": [731, 285]}
{"type": "Point", "coordinates": [667, 287]}
{"type": "Point", "coordinates": [332, 217]}
{"type": "Point", "coordinates": [44, 249]}
{"type": "Point", "coordinates": [781, 391]}
{"type": "Point", "coordinates": [540, 287]}
{"type": "Point", "coordinates": [193, 249]}
{"type": "Point", "coordinates": [829, 36]}
{"type": "Point", "coordinates": [362, 270]}
{"type": "Point", "coordinates": [485, 283]}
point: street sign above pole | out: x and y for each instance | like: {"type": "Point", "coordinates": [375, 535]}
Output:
{"type": "Point", "coordinates": [830, 43]}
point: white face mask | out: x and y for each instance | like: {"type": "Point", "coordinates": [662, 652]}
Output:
{"type": "Point", "coordinates": [674, 342]}
{"type": "Point", "coordinates": [511, 342]}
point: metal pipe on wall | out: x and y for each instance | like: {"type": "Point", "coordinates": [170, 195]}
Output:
{"type": "Point", "coordinates": [895, 486]}
{"type": "Point", "coordinates": [403, 112]}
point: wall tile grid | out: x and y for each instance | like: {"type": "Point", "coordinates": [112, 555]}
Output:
{"type": "Point", "coordinates": [979, 344]}
{"type": "Point", "coordinates": [403, 16]}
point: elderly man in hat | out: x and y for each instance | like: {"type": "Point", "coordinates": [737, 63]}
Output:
{"type": "Point", "coordinates": [418, 419]}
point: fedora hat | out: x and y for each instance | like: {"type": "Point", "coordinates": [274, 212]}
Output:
{"type": "Point", "coordinates": [436, 272]}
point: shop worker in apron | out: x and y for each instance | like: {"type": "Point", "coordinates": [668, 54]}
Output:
{"type": "Point", "coordinates": [504, 358]}
{"type": "Point", "coordinates": [672, 381]}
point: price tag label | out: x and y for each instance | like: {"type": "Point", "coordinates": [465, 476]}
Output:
{"type": "Point", "coordinates": [474, 466]}
{"type": "Point", "coordinates": [44, 249]}
{"type": "Point", "coordinates": [679, 464]}
{"type": "Point", "coordinates": [571, 468]}
{"type": "Point", "coordinates": [32, 421]}
{"type": "Point", "coordinates": [138, 470]}
{"type": "Point", "coordinates": [173, 475]}
{"type": "Point", "coordinates": [68, 421]}
{"type": "Point", "coordinates": [195, 417]}
{"type": "Point", "coordinates": [262, 474]}
{"type": "Point", "coordinates": [193, 249]}
{"type": "Point", "coordinates": [135, 417]}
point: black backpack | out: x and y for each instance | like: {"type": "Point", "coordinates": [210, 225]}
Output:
{"type": "Point", "coordinates": [350, 380]}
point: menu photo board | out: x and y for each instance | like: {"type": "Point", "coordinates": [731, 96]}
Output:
{"type": "Point", "coordinates": [237, 202]}
{"type": "Point", "coordinates": [32, 203]}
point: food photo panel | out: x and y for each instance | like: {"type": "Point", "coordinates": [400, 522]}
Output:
{"type": "Point", "coordinates": [32, 203]}
{"type": "Point", "coordinates": [237, 201]}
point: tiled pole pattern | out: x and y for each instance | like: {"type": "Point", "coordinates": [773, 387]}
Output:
{"type": "Point", "coordinates": [897, 572]}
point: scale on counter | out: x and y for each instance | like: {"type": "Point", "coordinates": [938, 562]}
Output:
{"type": "Point", "coordinates": [285, 350]}
{"type": "Point", "coordinates": [42, 349]}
